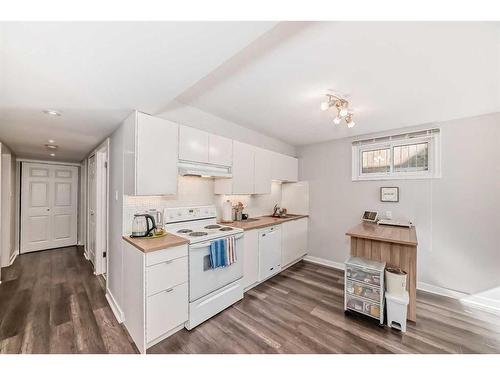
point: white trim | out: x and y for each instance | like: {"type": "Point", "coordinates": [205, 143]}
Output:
{"type": "Point", "coordinates": [479, 302]}
{"type": "Point", "coordinates": [12, 258]}
{"type": "Point", "coordinates": [118, 313]}
{"type": "Point", "coordinates": [47, 162]}
{"type": "Point", "coordinates": [325, 262]}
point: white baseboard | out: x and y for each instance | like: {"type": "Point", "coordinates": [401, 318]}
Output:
{"type": "Point", "coordinates": [324, 262]}
{"type": "Point", "coordinates": [114, 307]}
{"type": "Point", "coordinates": [479, 302]}
{"type": "Point", "coordinates": [12, 258]}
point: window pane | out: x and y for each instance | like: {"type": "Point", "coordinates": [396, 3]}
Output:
{"type": "Point", "coordinates": [376, 161]}
{"type": "Point", "coordinates": [411, 158]}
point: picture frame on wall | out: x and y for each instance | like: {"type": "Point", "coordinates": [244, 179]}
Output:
{"type": "Point", "coordinates": [389, 194]}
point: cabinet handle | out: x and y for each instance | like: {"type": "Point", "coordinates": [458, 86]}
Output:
{"type": "Point", "coordinates": [169, 290]}
{"type": "Point", "coordinates": [168, 261]}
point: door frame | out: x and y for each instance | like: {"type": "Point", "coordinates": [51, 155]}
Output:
{"type": "Point", "coordinates": [101, 154]}
{"type": "Point", "coordinates": [18, 192]}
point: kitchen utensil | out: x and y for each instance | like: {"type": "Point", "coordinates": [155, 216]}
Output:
{"type": "Point", "coordinates": [140, 225]}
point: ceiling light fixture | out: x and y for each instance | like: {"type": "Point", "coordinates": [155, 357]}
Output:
{"type": "Point", "coordinates": [342, 107]}
{"type": "Point", "coordinates": [52, 112]}
{"type": "Point", "coordinates": [51, 141]}
{"type": "Point", "coordinates": [51, 147]}
{"type": "Point", "coordinates": [52, 155]}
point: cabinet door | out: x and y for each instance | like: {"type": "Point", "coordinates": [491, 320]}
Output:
{"type": "Point", "coordinates": [263, 171]}
{"type": "Point", "coordinates": [243, 168]}
{"type": "Point", "coordinates": [166, 310]}
{"type": "Point", "coordinates": [294, 240]}
{"type": "Point", "coordinates": [156, 159]}
{"type": "Point", "coordinates": [220, 150]}
{"type": "Point", "coordinates": [284, 167]}
{"type": "Point", "coordinates": [193, 144]}
{"type": "Point", "coordinates": [250, 258]}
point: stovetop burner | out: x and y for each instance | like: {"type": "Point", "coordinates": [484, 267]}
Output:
{"type": "Point", "coordinates": [198, 234]}
{"type": "Point", "coordinates": [184, 231]}
{"type": "Point", "coordinates": [212, 226]}
{"type": "Point", "coordinates": [225, 229]}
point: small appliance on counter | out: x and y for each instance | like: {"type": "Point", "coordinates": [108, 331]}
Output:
{"type": "Point", "coordinates": [158, 220]}
{"type": "Point", "coordinates": [370, 216]}
{"type": "Point", "coordinates": [396, 223]}
{"type": "Point", "coordinates": [279, 212]}
{"type": "Point", "coordinates": [141, 225]}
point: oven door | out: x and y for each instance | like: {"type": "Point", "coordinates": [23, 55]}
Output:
{"type": "Point", "coordinates": [202, 279]}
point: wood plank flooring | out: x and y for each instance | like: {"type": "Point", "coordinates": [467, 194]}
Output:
{"type": "Point", "coordinates": [301, 311]}
{"type": "Point", "coordinates": [51, 302]}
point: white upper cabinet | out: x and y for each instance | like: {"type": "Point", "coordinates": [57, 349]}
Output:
{"type": "Point", "coordinates": [193, 144]}
{"type": "Point", "coordinates": [285, 168]}
{"type": "Point", "coordinates": [242, 181]}
{"type": "Point", "coordinates": [220, 150]}
{"type": "Point", "coordinates": [262, 171]}
{"type": "Point", "coordinates": [150, 155]}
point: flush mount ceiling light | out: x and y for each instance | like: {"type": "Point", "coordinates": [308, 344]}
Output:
{"type": "Point", "coordinates": [51, 147]}
{"type": "Point", "coordinates": [341, 105]}
{"type": "Point", "coordinates": [52, 155]}
{"type": "Point", "coordinates": [52, 112]}
{"type": "Point", "coordinates": [51, 141]}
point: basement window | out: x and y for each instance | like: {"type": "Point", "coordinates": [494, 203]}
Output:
{"type": "Point", "coordinates": [400, 156]}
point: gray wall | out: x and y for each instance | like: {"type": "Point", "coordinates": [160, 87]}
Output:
{"type": "Point", "coordinates": [457, 216]}
{"type": "Point", "coordinates": [8, 205]}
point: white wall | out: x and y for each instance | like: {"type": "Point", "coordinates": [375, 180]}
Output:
{"type": "Point", "coordinates": [196, 118]}
{"type": "Point", "coordinates": [457, 216]}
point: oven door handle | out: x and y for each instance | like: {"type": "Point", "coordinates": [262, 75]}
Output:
{"type": "Point", "coordinates": [208, 243]}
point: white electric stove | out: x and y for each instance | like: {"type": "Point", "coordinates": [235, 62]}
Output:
{"type": "Point", "coordinates": [210, 290]}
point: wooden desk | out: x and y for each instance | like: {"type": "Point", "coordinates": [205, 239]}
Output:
{"type": "Point", "coordinates": [396, 246]}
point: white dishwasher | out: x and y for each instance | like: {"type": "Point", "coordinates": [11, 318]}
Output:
{"type": "Point", "coordinates": [269, 251]}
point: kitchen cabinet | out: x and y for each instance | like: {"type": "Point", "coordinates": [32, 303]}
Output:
{"type": "Point", "coordinates": [250, 259]}
{"type": "Point", "coordinates": [150, 155]}
{"type": "Point", "coordinates": [284, 167]}
{"type": "Point", "coordinates": [242, 181]}
{"type": "Point", "coordinates": [193, 144]}
{"type": "Point", "coordinates": [294, 245]}
{"type": "Point", "coordinates": [262, 171]}
{"type": "Point", "coordinates": [220, 150]}
{"type": "Point", "coordinates": [201, 147]}
{"type": "Point", "coordinates": [155, 304]}
{"type": "Point", "coordinates": [269, 252]}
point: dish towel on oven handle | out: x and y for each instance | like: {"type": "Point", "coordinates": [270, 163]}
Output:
{"type": "Point", "coordinates": [222, 252]}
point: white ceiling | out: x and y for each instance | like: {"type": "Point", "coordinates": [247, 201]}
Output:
{"type": "Point", "coordinates": [396, 75]}
{"type": "Point", "coordinates": [97, 73]}
{"type": "Point", "coordinates": [265, 77]}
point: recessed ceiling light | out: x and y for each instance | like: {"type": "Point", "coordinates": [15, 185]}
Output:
{"type": "Point", "coordinates": [51, 141]}
{"type": "Point", "coordinates": [52, 155]}
{"type": "Point", "coordinates": [52, 147]}
{"type": "Point", "coordinates": [52, 112]}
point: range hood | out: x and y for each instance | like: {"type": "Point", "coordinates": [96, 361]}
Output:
{"type": "Point", "coordinates": [189, 168]}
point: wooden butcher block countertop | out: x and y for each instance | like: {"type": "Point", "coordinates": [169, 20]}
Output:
{"type": "Point", "coordinates": [153, 244]}
{"type": "Point", "coordinates": [263, 221]}
{"type": "Point", "coordinates": [385, 233]}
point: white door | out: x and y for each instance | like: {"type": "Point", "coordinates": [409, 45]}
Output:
{"type": "Point", "coordinates": [92, 203]}
{"type": "Point", "coordinates": [48, 206]}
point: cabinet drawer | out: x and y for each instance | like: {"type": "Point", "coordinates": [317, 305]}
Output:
{"type": "Point", "coordinates": [165, 255]}
{"type": "Point", "coordinates": [166, 310]}
{"type": "Point", "coordinates": [362, 290]}
{"type": "Point", "coordinates": [165, 275]}
{"type": "Point", "coordinates": [363, 274]}
{"type": "Point", "coordinates": [364, 307]}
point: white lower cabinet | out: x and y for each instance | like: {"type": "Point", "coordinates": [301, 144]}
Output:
{"type": "Point", "coordinates": [155, 293]}
{"type": "Point", "coordinates": [166, 310]}
{"type": "Point", "coordinates": [250, 259]}
{"type": "Point", "coordinates": [294, 240]}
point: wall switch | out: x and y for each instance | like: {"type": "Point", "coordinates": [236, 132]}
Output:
{"type": "Point", "coordinates": [116, 195]}
{"type": "Point", "coordinates": [388, 214]}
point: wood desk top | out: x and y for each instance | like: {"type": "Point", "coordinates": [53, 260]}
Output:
{"type": "Point", "coordinates": [154, 244]}
{"type": "Point", "coordinates": [386, 233]}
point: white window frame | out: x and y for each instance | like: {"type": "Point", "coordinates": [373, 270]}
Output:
{"type": "Point", "coordinates": [433, 139]}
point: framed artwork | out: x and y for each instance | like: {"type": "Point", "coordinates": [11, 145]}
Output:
{"type": "Point", "coordinates": [389, 194]}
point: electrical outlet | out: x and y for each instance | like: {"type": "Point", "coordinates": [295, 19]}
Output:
{"type": "Point", "coordinates": [388, 214]}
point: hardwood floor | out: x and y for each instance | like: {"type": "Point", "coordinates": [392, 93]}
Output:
{"type": "Point", "coordinates": [301, 311]}
{"type": "Point", "coordinates": [50, 302]}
